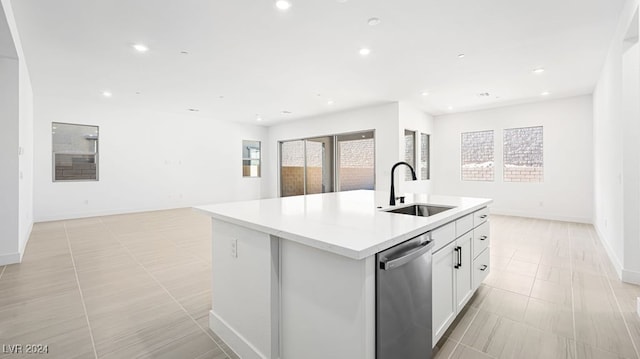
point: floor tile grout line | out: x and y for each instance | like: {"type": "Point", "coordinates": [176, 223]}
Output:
{"type": "Point", "coordinates": [163, 288]}
{"type": "Point", "coordinates": [573, 299]}
{"type": "Point", "coordinates": [84, 306]}
{"type": "Point", "coordinates": [2, 272]}
{"type": "Point", "coordinates": [615, 297]}
{"type": "Point", "coordinates": [459, 342]}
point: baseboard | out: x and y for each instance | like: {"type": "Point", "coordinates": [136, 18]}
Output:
{"type": "Point", "coordinates": [111, 212]}
{"type": "Point", "coordinates": [629, 276]}
{"type": "Point", "coordinates": [233, 339]}
{"type": "Point", "coordinates": [550, 217]}
{"type": "Point", "coordinates": [10, 258]}
{"type": "Point", "coordinates": [617, 265]}
{"type": "Point", "coordinates": [23, 246]}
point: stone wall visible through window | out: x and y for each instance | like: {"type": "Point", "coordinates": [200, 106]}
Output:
{"type": "Point", "coordinates": [523, 154]}
{"type": "Point", "coordinates": [75, 152]}
{"type": "Point", "coordinates": [477, 156]}
{"type": "Point", "coordinates": [424, 157]}
{"type": "Point", "coordinates": [409, 152]}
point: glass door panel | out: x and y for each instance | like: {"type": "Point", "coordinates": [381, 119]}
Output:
{"type": "Point", "coordinates": [356, 161]}
{"type": "Point", "coordinates": [292, 168]}
{"type": "Point", "coordinates": [319, 160]}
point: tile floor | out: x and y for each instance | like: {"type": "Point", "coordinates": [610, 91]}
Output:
{"type": "Point", "coordinates": [552, 293]}
{"type": "Point", "coordinates": [126, 286]}
{"type": "Point", "coordinates": [137, 286]}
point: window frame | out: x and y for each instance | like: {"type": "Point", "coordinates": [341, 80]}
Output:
{"type": "Point", "coordinates": [493, 157]}
{"type": "Point", "coordinates": [96, 155]}
{"type": "Point", "coordinates": [504, 154]}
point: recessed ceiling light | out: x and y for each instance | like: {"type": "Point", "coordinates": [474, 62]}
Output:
{"type": "Point", "coordinates": [539, 70]}
{"type": "Point", "coordinates": [141, 47]}
{"type": "Point", "coordinates": [373, 21]}
{"type": "Point", "coordinates": [546, 93]}
{"type": "Point", "coordinates": [460, 56]}
{"type": "Point", "coordinates": [283, 5]}
{"type": "Point", "coordinates": [285, 112]}
{"type": "Point", "coordinates": [107, 94]}
{"type": "Point", "coordinates": [193, 110]}
{"type": "Point", "coordinates": [364, 51]}
{"type": "Point", "coordinates": [330, 102]}
{"type": "Point", "coordinates": [425, 93]}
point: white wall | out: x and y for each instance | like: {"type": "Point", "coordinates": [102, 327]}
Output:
{"type": "Point", "coordinates": [381, 118]}
{"type": "Point", "coordinates": [616, 151]}
{"type": "Point", "coordinates": [9, 161]}
{"type": "Point", "coordinates": [413, 119]}
{"type": "Point", "coordinates": [16, 143]}
{"type": "Point", "coordinates": [25, 161]}
{"type": "Point", "coordinates": [148, 161]}
{"type": "Point", "coordinates": [565, 194]}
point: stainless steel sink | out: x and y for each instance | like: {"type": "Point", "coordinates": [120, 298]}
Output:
{"type": "Point", "coordinates": [423, 210]}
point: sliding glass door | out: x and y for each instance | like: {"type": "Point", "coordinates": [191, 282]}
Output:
{"type": "Point", "coordinates": [327, 164]}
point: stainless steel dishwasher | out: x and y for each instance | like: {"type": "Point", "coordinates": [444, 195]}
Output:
{"type": "Point", "coordinates": [403, 300]}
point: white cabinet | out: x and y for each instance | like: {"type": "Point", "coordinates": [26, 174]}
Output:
{"type": "Point", "coordinates": [460, 264]}
{"type": "Point", "coordinates": [443, 290]}
{"type": "Point", "coordinates": [464, 271]}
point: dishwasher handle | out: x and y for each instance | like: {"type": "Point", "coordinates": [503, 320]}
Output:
{"type": "Point", "coordinates": [391, 263]}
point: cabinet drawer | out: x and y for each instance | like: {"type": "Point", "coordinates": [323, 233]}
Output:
{"type": "Point", "coordinates": [464, 225]}
{"type": "Point", "coordinates": [481, 268]}
{"type": "Point", "coordinates": [480, 238]}
{"type": "Point", "coordinates": [480, 216]}
{"type": "Point", "coordinates": [442, 236]}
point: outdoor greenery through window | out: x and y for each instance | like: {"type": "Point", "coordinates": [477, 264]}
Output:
{"type": "Point", "coordinates": [477, 156]}
{"type": "Point", "coordinates": [75, 152]}
{"type": "Point", "coordinates": [523, 154]}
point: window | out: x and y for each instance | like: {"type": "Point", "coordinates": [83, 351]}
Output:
{"type": "Point", "coordinates": [75, 152]}
{"type": "Point", "coordinates": [409, 152]}
{"type": "Point", "coordinates": [251, 158]}
{"type": "Point", "coordinates": [523, 154]}
{"type": "Point", "coordinates": [356, 160]}
{"type": "Point", "coordinates": [424, 157]}
{"type": "Point", "coordinates": [477, 156]}
{"type": "Point", "coordinates": [309, 165]}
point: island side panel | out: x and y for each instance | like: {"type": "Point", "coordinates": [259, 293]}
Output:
{"type": "Point", "coordinates": [245, 290]}
{"type": "Point", "coordinates": [327, 304]}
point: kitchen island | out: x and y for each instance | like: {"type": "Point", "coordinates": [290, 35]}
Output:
{"type": "Point", "coordinates": [295, 277]}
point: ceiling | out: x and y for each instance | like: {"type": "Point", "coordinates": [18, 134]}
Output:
{"type": "Point", "coordinates": [237, 59]}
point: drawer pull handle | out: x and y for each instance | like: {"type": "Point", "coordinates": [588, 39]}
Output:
{"type": "Point", "coordinates": [483, 216]}
{"type": "Point", "coordinates": [483, 238]}
{"type": "Point", "coordinates": [483, 267]}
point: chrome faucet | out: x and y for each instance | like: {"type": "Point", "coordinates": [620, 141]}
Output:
{"type": "Point", "coordinates": [392, 200]}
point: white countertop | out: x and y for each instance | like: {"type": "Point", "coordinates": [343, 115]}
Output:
{"type": "Point", "coordinates": [345, 223]}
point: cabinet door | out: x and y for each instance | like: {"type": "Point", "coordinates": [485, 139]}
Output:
{"type": "Point", "coordinates": [464, 273]}
{"type": "Point", "coordinates": [443, 287]}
